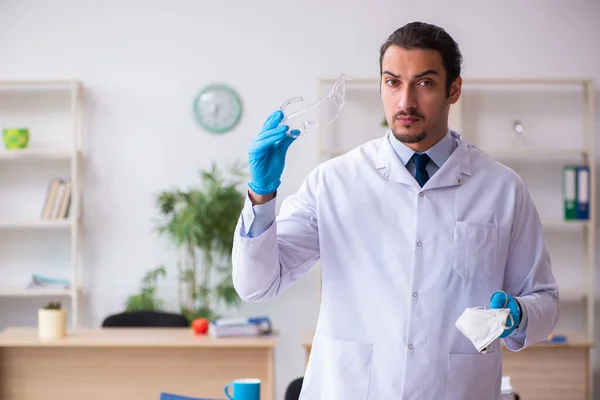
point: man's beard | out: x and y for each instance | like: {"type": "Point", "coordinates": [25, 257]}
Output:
{"type": "Point", "coordinates": [410, 137]}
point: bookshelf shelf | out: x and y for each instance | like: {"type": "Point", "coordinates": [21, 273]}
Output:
{"type": "Point", "coordinates": [40, 85]}
{"type": "Point", "coordinates": [570, 295]}
{"type": "Point", "coordinates": [34, 292]}
{"type": "Point", "coordinates": [536, 155]}
{"type": "Point", "coordinates": [564, 224]}
{"type": "Point", "coordinates": [36, 224]}
{"type": "Point", "coordinates": [545, 155]}
{"type": "Point", "coordinates": [38, 154]}
{"type": "Point", "coordinates": [42, 191]}
{"type": "Point", "coordinates": [373, 82]}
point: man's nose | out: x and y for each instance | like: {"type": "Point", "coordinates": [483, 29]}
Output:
{"type": "Point", "coordinates": [407, 99]}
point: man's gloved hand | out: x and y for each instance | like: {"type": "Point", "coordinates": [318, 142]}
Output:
{"type": "Point", "coordinates": [266, 155]}
{"type": "Point", "coordinates": [502, 299]}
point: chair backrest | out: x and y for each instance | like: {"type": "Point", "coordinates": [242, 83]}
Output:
{"type": "Point", "coordinates": [145, 319]}
{"type": "Point", "coordinates": [294, 388]}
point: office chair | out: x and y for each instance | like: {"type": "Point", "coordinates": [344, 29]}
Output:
{"type": "Point", "coordinates": [293, 389]}
{"type": "Point", "coordinates": [145, 319]}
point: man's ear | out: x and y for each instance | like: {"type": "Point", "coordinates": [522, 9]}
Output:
{"type": "Point", "coordinates": [455, 90]}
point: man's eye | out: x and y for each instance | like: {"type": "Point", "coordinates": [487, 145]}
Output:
{"type": "Point", "coordinates": [391, 82]}
{"type": "Point", "coordinates": [425, 83]}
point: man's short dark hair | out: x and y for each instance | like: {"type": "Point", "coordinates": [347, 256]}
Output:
{"type": "Point", "coordinates": [421, 35]}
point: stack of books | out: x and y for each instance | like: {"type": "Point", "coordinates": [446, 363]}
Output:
{"type": "Point", "coordinates": [39, 281]}
{"type": "Point", "coordinates": [58, 199]}
{"type": "Point", "coordinates": [228, 327]}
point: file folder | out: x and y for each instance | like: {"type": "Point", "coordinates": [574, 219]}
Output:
{"type": "Point", "coordinates": [569, 191]}
{"type": "Point", "coordinates": [583, 192]}
{"type": "Point", "coordinates": [172, 396]}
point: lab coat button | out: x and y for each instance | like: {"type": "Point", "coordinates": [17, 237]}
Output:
{"type": "Point", "coordinates": [410, 346]}
{"type": "Point", "coordinates": [415, 294]}
{"type": "Point", "coordinates": [386, 175]}
{"type": "Point", "coordinates": [419, 244]}
{"type": "Point", "coordinates": [421, 194]}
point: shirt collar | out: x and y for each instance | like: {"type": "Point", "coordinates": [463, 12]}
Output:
{"type": "Point", "coordinates": [438, 153]}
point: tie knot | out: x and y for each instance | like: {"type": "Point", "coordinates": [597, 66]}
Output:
{"type": "Point", "coordinates": [420, 160]}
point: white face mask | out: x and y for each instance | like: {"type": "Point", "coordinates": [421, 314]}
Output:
{"type": "Point", "coordinates": [483, 326]}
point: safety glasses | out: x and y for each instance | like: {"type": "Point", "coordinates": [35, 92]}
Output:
{"type": "Point", "coordinates": [317, 114]}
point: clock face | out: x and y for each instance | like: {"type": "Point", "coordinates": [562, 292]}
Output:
{"type": "Point", "coordinates": [217, 108]}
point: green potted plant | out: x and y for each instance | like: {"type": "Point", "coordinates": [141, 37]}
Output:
{"type": "Point", "coordinates": [200, 221]}
{"type": "Point", "coordinates": [52, 321]}
{"type": "Point", "coordinates": [147, 299]}
{"type": "Point", "coordinates": [15, 138]}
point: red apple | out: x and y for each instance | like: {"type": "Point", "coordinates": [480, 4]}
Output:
{"type": "Point", "coordinates": [200, 326]}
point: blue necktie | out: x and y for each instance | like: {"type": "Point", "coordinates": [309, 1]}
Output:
{"type": "Point", "coordinates": [421, 175]}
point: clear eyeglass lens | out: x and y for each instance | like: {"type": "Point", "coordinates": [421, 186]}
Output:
{"type": "Point", "coordinates": [302, 117]}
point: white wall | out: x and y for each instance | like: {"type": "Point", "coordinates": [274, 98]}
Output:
{"type": "Point", "coordinates": [143, 61]}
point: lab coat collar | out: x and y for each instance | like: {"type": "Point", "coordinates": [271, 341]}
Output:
{"type": "Point", "coordinates": [450, 174]}
{"type": "Point", "coordinates": [438, 153]}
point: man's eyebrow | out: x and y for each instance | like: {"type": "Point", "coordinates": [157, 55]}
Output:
{"type": "Point", "coordinates": [426, 72]}
{"type": "Point", "coordinates": [391, 74]}
{"type": "Point", "coordinates": [420, 75]}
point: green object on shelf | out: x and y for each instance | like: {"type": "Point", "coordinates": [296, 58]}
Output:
{"type": "Point", "coordinates": [15, 138]}
{"type": "Point", "coordinates": [569, 192]}
{"type": "Point", "coordinates": [53, 306]}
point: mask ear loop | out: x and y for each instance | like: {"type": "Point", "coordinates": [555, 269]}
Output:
{"type": "Point", "coordinates": [512, 320]}
{"type": "Point", "coordinates": [505, 299]}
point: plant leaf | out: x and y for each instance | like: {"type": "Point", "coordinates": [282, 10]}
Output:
{"type": "Point", "coordinates": [204, 218]}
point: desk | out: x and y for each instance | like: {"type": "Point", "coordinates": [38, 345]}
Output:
{"type": "Point", "coordinates": [544, 371]}
{"type": "Point", "coordinates": [125, 363]}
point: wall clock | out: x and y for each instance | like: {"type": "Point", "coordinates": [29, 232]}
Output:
{"type": "Point", "coordinates": [217, 108]}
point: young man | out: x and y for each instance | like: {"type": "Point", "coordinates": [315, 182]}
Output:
{"type": "Point", "coordinates": [411, 229]}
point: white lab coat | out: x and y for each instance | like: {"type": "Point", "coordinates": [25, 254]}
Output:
{"type": "Point", "coordinates": [399, 264]}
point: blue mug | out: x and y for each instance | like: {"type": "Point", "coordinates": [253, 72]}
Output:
{"type": "Point", "coordinates": [243, 389]}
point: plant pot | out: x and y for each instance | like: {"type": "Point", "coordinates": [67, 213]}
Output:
{"type": "Point", "coordinates": [52, 324]}
{"type": "Point", "coordinates": [15, 138]}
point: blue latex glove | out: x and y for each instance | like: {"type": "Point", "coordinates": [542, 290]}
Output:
{"type": "Point", "coordinates": [502, 299]}
{"type": "Point", "coordinates": [266, 155]}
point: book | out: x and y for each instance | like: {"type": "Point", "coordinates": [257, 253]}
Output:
{"type": "Point", "coordinates": [231, 327]}
{"type": "Point", "coordinates": [583, 192]}
{"type": "Point", "coordinates": [47, 282]}
{"type": "Point", "coordinates": [569, 192]}
{"type": "Point", "coordinates": [58, 199]}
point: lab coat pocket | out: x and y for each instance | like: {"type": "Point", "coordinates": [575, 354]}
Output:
{"type": "Point", "coordinates": [475, 250]}
{"type": "Point", "coordinates": [347, 370]}
{"type": "Point", "coordinates": [473, 376]}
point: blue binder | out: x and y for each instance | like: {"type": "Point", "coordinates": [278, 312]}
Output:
{"type": "Point", "coordinates": [583, 192]}
{"type": "Point", "coordinates": [170, 396]}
